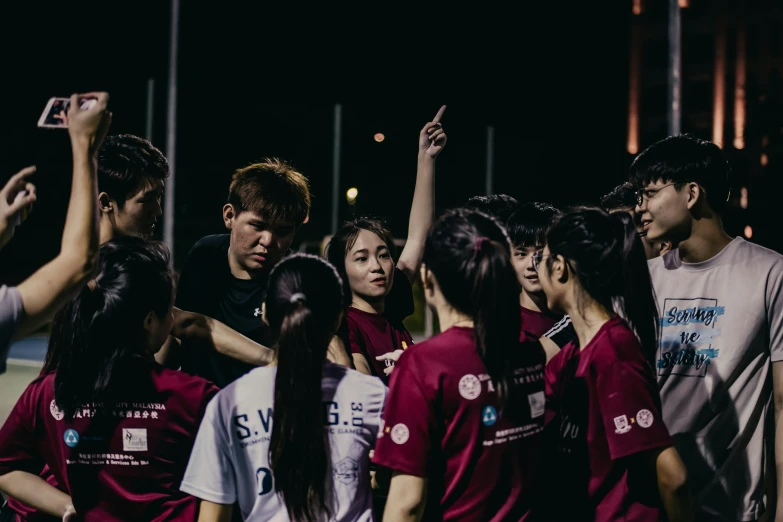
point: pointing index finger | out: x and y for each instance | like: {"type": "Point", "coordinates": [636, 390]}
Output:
{"type": "Point", "coordinates": [439, 115]}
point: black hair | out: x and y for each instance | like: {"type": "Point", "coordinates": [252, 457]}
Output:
{"type": "Point", "coordinates": [469, 254]}
{"type": "Point", "coordinates": [303, 305]}
{"type": "Point", "coordinates": [343, 240]}
{"type": "Point", "coordinates": [684, 159]}
{"type": "Point", "coordinates": [621, 197]}
{"type": "Point", "coordinates": [606, 254]}
{"type": "Point", "coordinates": [124, 161]}
{"type": "Point", "coordinates": [528, 225]}
{"type": "Point", "coordinates": [105, 328]}
{"type": "Point", "coordinates": [499, 206]}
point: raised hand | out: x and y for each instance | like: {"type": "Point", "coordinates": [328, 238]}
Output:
{"type": "Point", "coordinates": [16, 198]}
{"type": "Point", "coordinates": [432, 137]}
{"type": "Point", "coordinates": [91, 122]}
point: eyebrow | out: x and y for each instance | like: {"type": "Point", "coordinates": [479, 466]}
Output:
{"type": "Point", "coordinates": [365, 251]}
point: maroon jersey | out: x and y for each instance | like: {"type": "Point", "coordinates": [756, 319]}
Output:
{"type": "Point", "coordinates": [443, 421]}
{"type": "Point", "coordinates": [606, 402]}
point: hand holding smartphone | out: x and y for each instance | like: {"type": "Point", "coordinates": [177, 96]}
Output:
{"type": "Point", "coordinates": [55, 114]}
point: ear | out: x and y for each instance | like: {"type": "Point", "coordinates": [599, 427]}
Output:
{"type": "Point", "coordinates": [559, 269]}
{"type": "Point", "coordinates": [664, 247]}
{"type": "Point", "coordinates": [426, 280]}
{"type": "Point", "coordinates": [694, 192]}
{"type": "Point", "coordinates": [149, 321]}
{"type": "Point", "coordinates": [104, 203]}
{"type": "Point", "coordinates": [228, 215]}
{"type": "Point", "coordinates": [263, 309]}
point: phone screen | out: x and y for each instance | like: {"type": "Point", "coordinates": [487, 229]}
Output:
{"type": "Point", "coordinates": [56, 112]}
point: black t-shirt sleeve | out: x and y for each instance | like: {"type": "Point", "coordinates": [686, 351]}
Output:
{"type": "Point", "coordinates": [202, 268]}
{"type": "Point", "coordinates": [562, 333]}
{"type": "Point", "coordinates": [399, 302]}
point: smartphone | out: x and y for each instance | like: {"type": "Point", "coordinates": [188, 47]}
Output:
{"type": "Point", "coordinates": [55, 114]}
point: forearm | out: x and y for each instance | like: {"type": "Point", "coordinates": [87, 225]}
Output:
{"type": "Point", "coordinates": [423, 199]}
{"type": "Point", "coordinates": [36, 492]}
{"type": "Point", "coordinates": [80, 235]}
{"type": "Point", "coordinates": [233, 344]}
{"type": "Point", "coordinates": [778, 505]}
{"type": "Point", "coordinates": [673, 485]}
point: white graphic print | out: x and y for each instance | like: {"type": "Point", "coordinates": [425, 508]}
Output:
{"type": "Point", "coordinates": [400, 434]}
{"type": "Point", "coordinates": [55, 411]}
{"type": "Point", "coordinates": [621, 423]}
{"type": "Point", "coordinates": [644, 418]}
{"type": "Point", "coordinates": [469, 387]}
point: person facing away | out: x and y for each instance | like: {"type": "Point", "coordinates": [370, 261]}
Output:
{"type": "Point", "coordinates": [621, 199]}
{"type": "Point", "coordinates": [378, 291]}
{"type": "Point", "coordinates": [115, 428]}
{"type": "Point", "coordinates": [465, 411]}
{"type": "Point", "coordinates": [291, 441]}
{"type": "Point", "coordinates": [225, 275]}
{"type": "Point", "coordinates": [527, 229]}
{"type": "Point", "coordinates": [720, 354]}
{"type": "Point", "coordinates": [614, 458]}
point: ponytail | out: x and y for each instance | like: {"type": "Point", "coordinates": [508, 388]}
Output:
{"type": "Point", "coordinates": [101, 329]}
{"type": "Point", "coordinates": [638, 296]}
{"type": "Point", "coordinates": [470, 255]}
{"type": "Point", "coordinates": [303, 306]}
{"type": "Point", "coordinates": [606, 254]}
{"type": "Point", "coordinates": [495, 313]}
{"type": "Point", "coordinates": [297, 428]}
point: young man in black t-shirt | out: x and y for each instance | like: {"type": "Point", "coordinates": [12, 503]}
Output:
{"type": "Point", "coordinates": [225, 275]}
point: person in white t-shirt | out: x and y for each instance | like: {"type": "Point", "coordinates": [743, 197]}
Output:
{"type": "Point", "coordinates": [720, 353]}
{"type": "Point", "coordinates": [291, 441]}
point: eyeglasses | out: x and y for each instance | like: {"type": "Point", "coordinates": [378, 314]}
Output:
{"type": "Point", "coordinates": [537, 257]}
{"type": "Point", "coordinates": [648, 194]}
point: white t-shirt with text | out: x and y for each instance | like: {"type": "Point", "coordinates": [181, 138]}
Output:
{"type": "Point", "coordinates": [230, 459]}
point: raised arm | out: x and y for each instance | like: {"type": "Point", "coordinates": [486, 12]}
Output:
{"type": "Point", "coordinates": [52, 285]}
{"type": "Point", "coordinates": [432, 139]}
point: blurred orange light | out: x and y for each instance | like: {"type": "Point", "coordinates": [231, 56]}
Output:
{"type": "Point", "coordinates": [748, 232]}
{"type": "Point", "coordinates": [764, 160]}
{"type": "Point", "coordinates": [744, 197]}
{"type": "Point", "coordinates": [379, 137]}
{"type": "Point", "coordinates": [637, 7]}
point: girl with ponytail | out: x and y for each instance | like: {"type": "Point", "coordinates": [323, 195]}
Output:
{"type": "Point", "coordinates": [613, 447]}
{"type": "Point", "coordinates": [465, 407]}
{"type": "Point", "coordinates": [114, 428]}
{"type": "Point", "coordinates": [291, 441]}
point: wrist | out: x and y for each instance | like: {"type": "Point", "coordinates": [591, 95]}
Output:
{"type": "Point", "coordinates": [426, 158]}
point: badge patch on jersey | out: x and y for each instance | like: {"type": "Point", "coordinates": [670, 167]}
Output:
{"type": "Point", "coordinates": [134, 439]}
{"type": "Point", "coordinates": [469, 387]}
{"type": "Point", "coordinates": [400, 433]}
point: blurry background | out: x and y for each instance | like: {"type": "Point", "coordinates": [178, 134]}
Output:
{"type": "Point", "coordinates": [552, 100]}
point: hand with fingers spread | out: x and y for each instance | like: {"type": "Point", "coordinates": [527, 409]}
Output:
{"type": "Point", "coordinates": [16, 198]}
{"type": "Point", "coordinates": [432, 137]}
{"type": "Point", "coordinates": [89, 121]}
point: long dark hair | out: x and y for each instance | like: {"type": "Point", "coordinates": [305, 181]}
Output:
{"type": "Point", "coordinates": [105, 328]}
{"type": "Point", "coordinates": [470, 255]}
{"type": "Point", "coordinates": [343, 240]}
{"type": "Point", "coordinates": [607, 255]}
{"type": "Point", "coordinates": [303, 304]}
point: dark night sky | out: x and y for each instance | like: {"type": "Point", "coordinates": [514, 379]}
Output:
{"type": "Point", "coordinates": [255, 83]}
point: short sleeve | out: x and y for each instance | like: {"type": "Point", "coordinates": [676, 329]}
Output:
{"type": "Point", "coordinates": [775, 311]}
{"type": "Point", "coordinates": [354, 336]}
{"type": "Point", "coordinates": [562, 332]}
{"type": "Point", "coordinates": [11, 308]}
{"type": "Point", "coordinates": [399, 302]}
{"type": "Point", "coordinates": [19, 445]}
{"type": "Point", "coordinates": [210, 474]}
{"type": "Point", "coordinates": [407, 430]}
{"type": "Point", "coordinates": [630, 408]}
